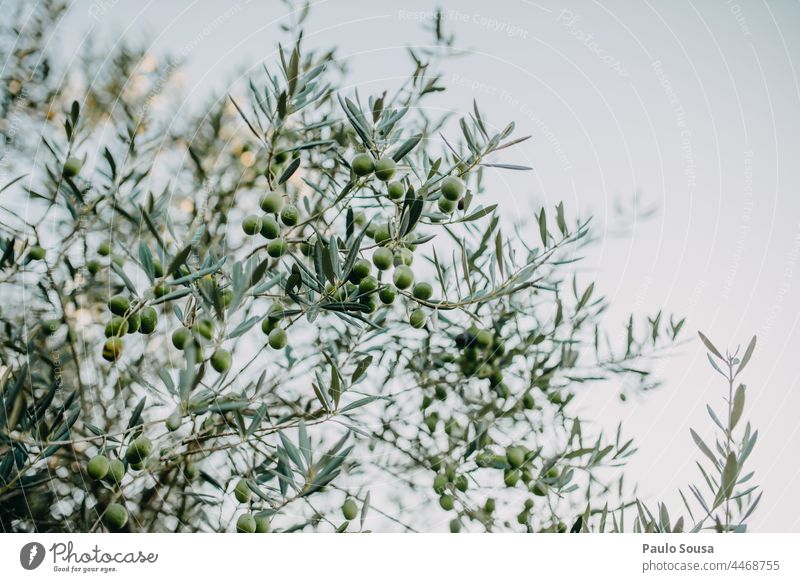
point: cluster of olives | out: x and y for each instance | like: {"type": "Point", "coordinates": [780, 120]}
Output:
{"type": "Point", "coordinates": [452, 189]}
{"type": "Point", "coordinates": [137, 452]}
{"type": "Point", "coordinates": [247, 522]}
{"type": "Point", "coordinates": [270, 325]}
{"type": "Point", "coordinates": [112, 471]}
{"type": "Point", "coordinates": [365, 286]}
{"type": "Point", "coordinates": [364, 165]}
{"type": "Point", "coordinates": [202, 332]}
{"type": "Point", "coordinates": [480, 356]}
{"type": "Point", "coordinates": [445, 486]}
{"type": "Point", "coordinates": [516, 465]}
{"type": "Point", "coordinates": [104, 250]}
{"type": "Point", "coordinates": [269, 226]}
{"type": "Point", "coordinates": [125, 320]}
{"type": "Point", "coordinates": [100, 468]}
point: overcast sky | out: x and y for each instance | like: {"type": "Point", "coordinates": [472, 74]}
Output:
{"type": "Point", "coordinates": [694, 105]}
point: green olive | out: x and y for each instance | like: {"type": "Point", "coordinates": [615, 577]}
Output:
{"type": "Point", "coordinates": [369, 302]}
{"type": "Point", "coordinates": [461, 483]}
{"type": "Point", "coordinates": [528, 401]}
{"type": "Point", "coordinates": [290, 216]}
{"type": "Point", "coordinates": [227, 297]}
{"type": "Point", "coordinates": [262, 524]}
{"type": "Point", "coordinates": [115, 516]}
{"type": "Point", "coordinates": [112, 349]}
{"type": "Point", "coordinates": [134, 322]}
{"type": "Point", "coordinates": [93, 267]}
{"type": "Point", "coordinates": [439, 484]}
{"type": "Point", "coordinates": [417, 319]}
{"type": "Point", "coordinates": [361, 268]}
{"type": "Point", "coordinates": [383, 259]}
{"type": "Point", "coordinates": [116, 327]}
{"type": "Point", "coordinates": [104, 249]}
{"type": "Point", "coordinates": [403, 277]}
{"type": "Point", "coordinates": [277, 248]}
{"type": "Point", "coordinates": [447, 206]}
{"type": "Point", "coordinates": [116, 471]}
{"type": "Point", "coordinates": [72, 167]}
{"type": "Point", "coordinates": [204, 328]}
{"type": "Point", "coordinates": [539, 489]}
{"type": "Point", "coordinates": [221, 360]}
{"type": "Point", "coordinates": [423, 291]}
{"type": "Point", "coordinates": [161, 290]}
{"type": "Point", "coordinates": [382, 234]}
{"type": "Point", "coordinates": [36, 253]}
{"type": "Point", "coordinates": [396, 190]}
{"type": "Point", "coordinates": [246, 523]}
{"type": "Point", "coordinates": [484, 339]}
{"type": "Point", "coordinates": [446, 502]}
{"type": "Point", "coordinates": [362, 164]}
{"type": "Point", "coordinates": [97, 467]}
{"type": "Point", "coordinates": [272, 203]}
{"type": "Point", "coordinates": [387, 294]}
{"type": "Point", "coordinates": [270, 228]}
{"type": "Point", "coordinates": [385, 169]}
{"type": "Point", "coordinates": [242, 492]}
{"type": "Point", "coordinates": [367, 285]}
{"type": "Point", "coordinates": [403, 257]}
{"type": "Point", "coordinates": [452, 188]}
{"type": "Point", "coordinates": [181, 338]}
{"type": "Point", "coordinates": [515, 456]}
{"type": "Point", "coordinates": [251, 224]}
{"type": "Point", "coordinates": [139, 449]}
{"type": "Point", "coordinates": [455, 526]}
{"type": "Point", "coordinates": [349, 509]}
{"type": "Point", "coordinates": [511, 477]}
{"type": "Point", "coordinates": [277, 339]}
{"type": "Point", "coordinates": [276, 311]}
{"type": "Point", "coordinates": [118, 304]}
{"type": "Point", "coordinates": [149, 320]}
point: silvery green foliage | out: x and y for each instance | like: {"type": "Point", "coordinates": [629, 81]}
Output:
{"type": "Point", "coordinates": [453, 403]}
{"type": "Point", "coordinates": [727, 495]}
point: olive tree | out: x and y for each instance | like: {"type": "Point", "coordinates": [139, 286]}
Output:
{"type": "Point", "coordinates": [296, 310]}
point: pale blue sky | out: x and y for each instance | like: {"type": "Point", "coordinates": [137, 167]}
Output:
{"type": "Point", "coordinates": [693, 104]}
